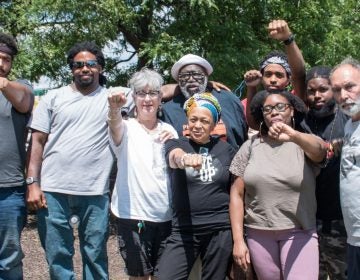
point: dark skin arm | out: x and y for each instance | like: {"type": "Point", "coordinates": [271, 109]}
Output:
{"type": "Point", "coordinates": [35, 198]}
{"type": "Point", "coordinates": [19, 95]}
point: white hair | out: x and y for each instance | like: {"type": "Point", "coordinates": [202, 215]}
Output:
{"type": "Point", "coordinates": [145, 78]}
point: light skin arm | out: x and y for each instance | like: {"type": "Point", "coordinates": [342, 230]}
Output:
{"type": "Point", "coordinates": [240, 251]}
{"type": "Point", "coordinates": [19, 95]}
{"type": "Point", "coordinates": [279, 30]}
{"type": "Point", "coordinates": [313, 146]}
{"type": "Point", "coordinates": [115, 122]}
{"type": "Point", "coordinates": [180, 159]}
{"type": "Point", "coordinates": [34, 196]}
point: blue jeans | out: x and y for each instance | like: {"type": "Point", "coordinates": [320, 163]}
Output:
{"type": "Point", "coordinates": [57, 238]}
{"type": "Point", "coordinates": [353, 262]}
{"type": "Point", "coordinates": [12, 221]}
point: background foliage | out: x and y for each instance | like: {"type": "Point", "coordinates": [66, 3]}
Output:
{"type": "Point", "coordinates": [231, 34]}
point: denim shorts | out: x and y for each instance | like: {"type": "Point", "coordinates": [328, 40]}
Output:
{"type": "Point", "coordinates": [141, 249]}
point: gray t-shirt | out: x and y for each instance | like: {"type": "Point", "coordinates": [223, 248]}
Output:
{"type": "Point", "coordinates": [350, 182]}
{"type": "Point", "coordinates": [12, 143]}
{"type": "Point", "coordinates": [77, 158]}
{"type": "Point", "coordinates": [279, 185]}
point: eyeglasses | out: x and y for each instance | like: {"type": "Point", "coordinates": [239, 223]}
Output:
{"type": "Point", "coordinates": [152, 94]}
{"type": "Point", "coordinates": [81, 64]}
{"type": "Point", "coordinates": [280, 107]}
{"type": "Point", "coordinates": [197, 76]}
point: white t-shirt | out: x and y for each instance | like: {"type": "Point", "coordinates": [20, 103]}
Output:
{"type": "Point", "coordinates": [350, 182]}
{"type": "Point", "coordinates": [142, 189]}
{"type": "Point", "coordinates": [77, 158]}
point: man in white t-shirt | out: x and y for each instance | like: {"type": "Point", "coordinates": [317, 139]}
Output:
{"type": "Point", "coordinates": [69, 167]}
{"type": "Point", "coordinates": [345, 83]}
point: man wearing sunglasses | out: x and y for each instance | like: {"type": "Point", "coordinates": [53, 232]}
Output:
{"type": "Point", "coordinates": [192, 73]}
{"type": "Point", "coordinates": [69, 167]}
{"type": "Point", "coordinates": [16, 100]}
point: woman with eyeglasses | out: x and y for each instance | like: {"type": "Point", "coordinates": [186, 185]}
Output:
{"type": "Point", "coordinates": [273, 193]}
{"type": "Point", "coordinates": [200, 182]}
{"type": "Point", "coordinates": [140, 200]}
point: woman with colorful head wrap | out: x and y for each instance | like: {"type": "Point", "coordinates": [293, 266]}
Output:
{"type": "Point", "coordinates": [200, 181]}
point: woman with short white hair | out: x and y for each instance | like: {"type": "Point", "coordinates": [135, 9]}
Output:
{"type": "Point", "coordinates": [140, 199]}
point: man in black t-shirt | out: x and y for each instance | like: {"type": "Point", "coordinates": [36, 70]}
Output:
{"type": "Point", "coordinates": [327, 121]}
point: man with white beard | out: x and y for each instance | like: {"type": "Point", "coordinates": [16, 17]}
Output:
{"type": "Point", "coordinates": [345, 83]}
{"type": "Point", "coordinates": [192, 72]}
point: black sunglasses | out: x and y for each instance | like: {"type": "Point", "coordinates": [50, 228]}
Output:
{"type": "Point", "coordinates": [81, 64]}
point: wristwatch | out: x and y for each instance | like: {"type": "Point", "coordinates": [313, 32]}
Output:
{"type": "Point", "coordinates": [31, 180]}
{"type": "Point", "coordinates": [289, 40]}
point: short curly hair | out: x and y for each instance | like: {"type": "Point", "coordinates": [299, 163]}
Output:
{"type": "Point", "coordinates": [88, 47]}
{"type": "Point", "coordinates": [10, 42]}
{"type": "Point", "coordinates": [258, 101]}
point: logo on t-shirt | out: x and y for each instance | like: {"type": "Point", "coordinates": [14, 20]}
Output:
{"type": "Point", "coordinates": [207, 170]}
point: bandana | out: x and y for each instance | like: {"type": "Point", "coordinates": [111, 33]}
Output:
{"type": "Point", "coordinates": [276, 60]}
{"type": "Point", "coordinates": [205, 100]}
{"type": "Point", "coordinates": [5, 49]}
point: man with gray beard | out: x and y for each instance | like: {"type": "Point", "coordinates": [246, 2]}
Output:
{"type": "Point", "coordinates": [192, 72]}
{"type": "Point", "coordinates": [345, 84]}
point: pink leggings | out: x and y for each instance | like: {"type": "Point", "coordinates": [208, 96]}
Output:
{"type": "Point", "coordinates": [284, 254]}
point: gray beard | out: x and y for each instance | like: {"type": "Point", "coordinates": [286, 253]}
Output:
{"type": "Point", "coordinates": [202, 89]}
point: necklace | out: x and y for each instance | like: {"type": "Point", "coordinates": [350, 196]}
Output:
{"type": "Point", "coordinates": [152, 130]}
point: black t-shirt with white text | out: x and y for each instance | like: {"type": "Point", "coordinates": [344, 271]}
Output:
{"type": "Point", "coordinates": [200, 199]}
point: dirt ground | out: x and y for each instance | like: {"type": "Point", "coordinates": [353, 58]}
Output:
{"type": "Point", "coordinates": [35, 266]}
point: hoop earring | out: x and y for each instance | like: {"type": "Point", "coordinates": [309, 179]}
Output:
{"type": "Point", "coordinates": [260, 133]}
{"type": "Point", "coordinates": [159, 113]}
{"type": "Point", "coordinates": [293, 122]}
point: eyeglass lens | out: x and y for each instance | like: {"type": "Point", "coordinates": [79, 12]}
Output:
{"type": "Point", "coordinates": [186, 76]}
{"type": "Point", "coordinates": [152, 94]}
{"type": "Point", "coordinates": [280, 107]}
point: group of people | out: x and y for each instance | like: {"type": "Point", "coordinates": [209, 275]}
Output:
{"type": "Point", "coordinates": [192, 182]}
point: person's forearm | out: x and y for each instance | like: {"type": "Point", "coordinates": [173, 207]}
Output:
{"type": "Point", "coordinates": [313, 146]}
{"type": "Point", "coordinates": [236, 210]}
{"type": "Point", "coordinates": [297, 66]}
{"type": "Point", "coordinates": [116, 126]}
{"type": "Point", "coordinates": [19, 95]}
{"type": "Point", "coordinates": [35, 157]}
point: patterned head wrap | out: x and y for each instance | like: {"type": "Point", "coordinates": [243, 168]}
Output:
{"type": "Point", "coordinates": [276, 60]}
{"type": "Point", "coordinates": [206, 100]}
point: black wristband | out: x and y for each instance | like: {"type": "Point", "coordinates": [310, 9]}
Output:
{"type": "Point", "coordinates": [289, 40]}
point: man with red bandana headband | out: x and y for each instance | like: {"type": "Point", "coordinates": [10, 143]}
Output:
{"type": "Point", "coordinates": [16, 102]}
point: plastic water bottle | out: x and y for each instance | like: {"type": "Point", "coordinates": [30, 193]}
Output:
{"type": "Point", "coordinates": [74, 221]}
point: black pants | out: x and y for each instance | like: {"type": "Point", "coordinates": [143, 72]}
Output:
{"type": "Point", "coordinates": [181, 251]}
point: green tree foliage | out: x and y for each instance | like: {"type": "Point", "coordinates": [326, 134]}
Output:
{"type": "Point", "coordinates": [231, 34]}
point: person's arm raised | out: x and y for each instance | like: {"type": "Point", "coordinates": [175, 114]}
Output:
{"type": "Point", "coordinates": [279, 30]}
{"type": "Point", "coordinates": [115, 123]}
